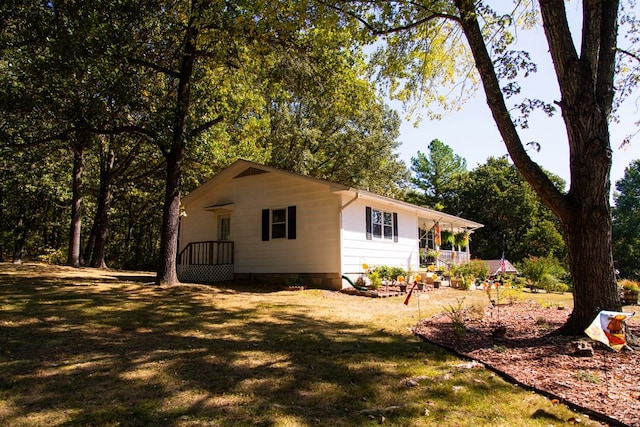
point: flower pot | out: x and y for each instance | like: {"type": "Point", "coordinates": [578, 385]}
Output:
{"type": "Point", "coordinates": [436, 284]}
{"type": "Point", "coordinates": [421, 286]}
{"type": "Point", "coordinates": [629, 297]}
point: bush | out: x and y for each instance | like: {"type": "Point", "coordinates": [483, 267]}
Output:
{"type": "Point", "coordinates": [53, 256]}
{"type": "Point", "coordinates": [386, 272]}
{"type": "Point", "coordinates": [376, 281]}
{"type": "Point", "coordinates": [551, 283]}
{"type": "Point", "coordinates": [544, 273]}
{"type": "Point", "coordinates": [476, 268]}
{"type": "Point", "coordinates": [629, 285]}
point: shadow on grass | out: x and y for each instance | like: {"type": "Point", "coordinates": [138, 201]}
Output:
{"type": "Point", "coordinates": [138, 355]}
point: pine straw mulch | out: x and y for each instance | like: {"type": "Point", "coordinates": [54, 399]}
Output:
{"type": "Point", "coordinates": [607, 383]}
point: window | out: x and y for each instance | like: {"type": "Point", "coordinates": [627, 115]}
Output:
{"type": "Point", "coordinates": [381, 225]}
{"type": "Point", "coordinates": [279, 223]}
{"type": "Point", "coordinates": [224, 232]}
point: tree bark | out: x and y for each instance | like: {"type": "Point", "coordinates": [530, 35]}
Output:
{"type": "Point", "coordinates": [20, 233]}
{"type": "Point", "coordinates": [77, 147]}
{"type": "Point", "coordinates": [167, 274]}
{"type": "Point", "coordinates": [102, 211]}
{"type": "Point", "coordinates": [586, 89]}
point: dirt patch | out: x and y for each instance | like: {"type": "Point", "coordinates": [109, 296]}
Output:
{"type": "Point", "coordinates": [606, 382]}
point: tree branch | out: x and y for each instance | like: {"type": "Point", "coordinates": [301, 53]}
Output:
{"type": "Point", "coordinates": [390, 30]}
{"type": "Point", "coordinates": [205, 126]}
{"type": "Point", "coordinates": [630, 54]}
{"type": "Point", "coordinates": [154, 66]}
{"type": "Point", "coordinates": [125, 129]}
{"type": "Point", "coordinates": [62, 136]}
{"type": "Point", "coordinates": [531, 171]}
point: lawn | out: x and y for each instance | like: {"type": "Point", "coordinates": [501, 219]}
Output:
{"type": "Point", "coordinates": [86, 347]}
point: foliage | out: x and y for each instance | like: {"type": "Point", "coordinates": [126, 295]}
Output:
{"type": "Point", "coordinates": [113, 70]}
{"type": "Point", "coordinates": [475, 268]}
{"type": "Point", "coordinates": [626, 222]}
{"type": "Point", "coordinates": [437, 177]}
{"type": "Point", "coordinates": [512, 294]}
{"type": "Point", "coordinates": [455, 313]}
{"type": "Point", "coordinates": [629, 285]}
{"type": "Point", "coordinates": [543, 273]}
{"type": "Point", "coordinates": [375, 281]}
{"type": "Point", "coordinates": [390, 273]}
{"type": "Point", "coordinates": [515, 221]}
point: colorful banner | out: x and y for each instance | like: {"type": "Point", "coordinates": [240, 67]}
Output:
{"type": "Point", "coordinates": [608, 328]}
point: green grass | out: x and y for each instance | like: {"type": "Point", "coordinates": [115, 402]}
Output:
{"type": "Point", "coordinates": [83, 347]}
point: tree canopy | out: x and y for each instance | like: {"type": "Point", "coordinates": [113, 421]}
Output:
{"type": "Point", "coordinates": [438, 176]}
{"type": "Point", "coordinates": [626, 222]}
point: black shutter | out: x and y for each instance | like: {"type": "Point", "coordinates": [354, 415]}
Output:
{"type": "Point", "coordinates": [265, 224]}
{"type": "Point", "coordinates": [291, 222]}
{"type": "Point", "coordinates": [368, 222]}
{"type": "Point", "coordinates": [395, 227]}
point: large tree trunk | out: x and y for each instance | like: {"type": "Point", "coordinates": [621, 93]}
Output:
{"type": "Point", "coordinates": [102, 211]}
{"type": "Point", "coordinates": [167, 274]}
{"type": "Point", "coordinates": [586, 83]}
{"type": "Point", "coordinates": [77, 147]}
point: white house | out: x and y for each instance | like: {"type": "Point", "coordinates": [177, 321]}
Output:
{"type": "Point", "coordinates": [255, 221]}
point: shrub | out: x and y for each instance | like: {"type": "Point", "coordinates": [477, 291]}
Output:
{"type": "Point", "coordinates": [386, 272]}
{"type": "Point", "coordinates": [474, 269]}
{"type": "Point", "coordinates": [376, 281]}
{"type": "Point", "coordinates": [52, 256]}
{"type": "Point", "coordinates": [544, 273]}
{"type": "Point", "coordinates": [629, 285]}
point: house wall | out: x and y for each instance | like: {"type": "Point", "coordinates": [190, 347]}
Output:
{"type": "Point", "coordinates": [316, 247]}
{"type": "Point", "coordinates": [375, 252]}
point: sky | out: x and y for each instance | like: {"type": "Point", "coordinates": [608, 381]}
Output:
{"type": "Point", "coordinates": [473, 135]}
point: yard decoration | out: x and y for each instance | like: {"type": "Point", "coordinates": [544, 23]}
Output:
{"type": "Point", "coordinates": [608, 327]}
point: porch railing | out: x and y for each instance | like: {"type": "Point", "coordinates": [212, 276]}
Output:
{"type": "Point", "coordinates": [454, 257]}
{"type": "Point", "coordinates": [213, 252]}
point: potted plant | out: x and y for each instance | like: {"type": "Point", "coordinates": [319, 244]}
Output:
{"type": "Point", "coordinates": [448, 239]}
{"type": "Point", "coordinates": [461, 239]}
{"type": "Point", "coordinates": [629, 291]}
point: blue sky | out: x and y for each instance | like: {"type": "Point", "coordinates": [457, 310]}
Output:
{"type": "Point", "coordinates": [472, 133]}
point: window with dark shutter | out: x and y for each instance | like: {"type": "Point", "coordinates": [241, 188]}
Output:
{"type": "Point", "coordinates": [266, 213]}
{"type": "Point", "coordinates": [279, 223]}
{"type": "Point", "coordinates": [381, 225]}
{"type": "Point", "coordinates": [395, 227]}
{"type": "Point", "coordinates": [291, 222]}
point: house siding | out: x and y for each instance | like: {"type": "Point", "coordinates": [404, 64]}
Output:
{"type": "Point", "coordinates": [316, 246]}
{"type": "Point", "coordinates": [357, 249]}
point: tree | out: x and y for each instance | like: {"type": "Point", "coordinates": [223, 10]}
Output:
{"type": "Point", "coordinates": [416, 31]}
{"type": "Point", "coordinates": [438, 175]}
{"type": "Point", "coordinates": [516, 222]}
{"type": "Point", "coordinates": [327, 120]}
{"type": "Point", "coordinates": [626, 222]}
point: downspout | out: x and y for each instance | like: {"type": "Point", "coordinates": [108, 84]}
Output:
{"type": "Point", "coordinates": [342, 208]}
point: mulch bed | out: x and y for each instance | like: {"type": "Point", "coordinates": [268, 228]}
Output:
{"type": "Point", "coordinates": [607, 383]}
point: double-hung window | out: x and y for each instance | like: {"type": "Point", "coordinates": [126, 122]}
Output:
{"type": "Point", "coordinates": [279, 223]}
{"type": "Point", "coordinates": [381, 224]}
